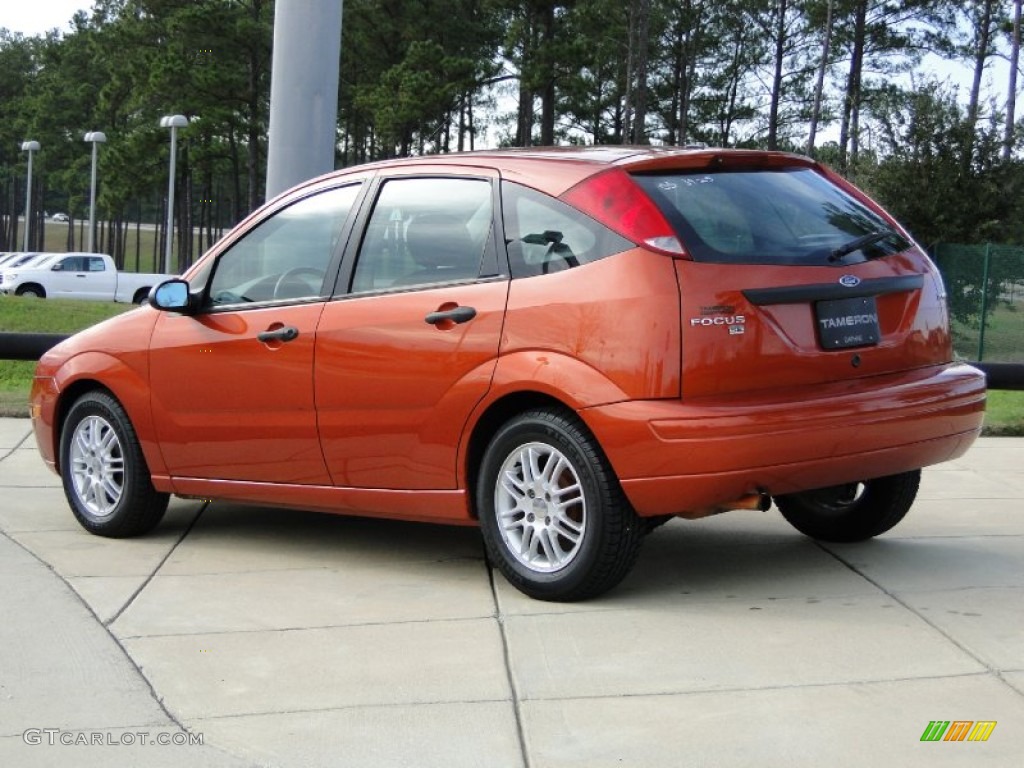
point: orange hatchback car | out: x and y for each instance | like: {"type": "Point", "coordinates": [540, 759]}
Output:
{"type": "Point", "coordinates": [566, 347]}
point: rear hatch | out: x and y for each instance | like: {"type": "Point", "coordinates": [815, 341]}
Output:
{"type": "Point", "coordinates": [793, 277]}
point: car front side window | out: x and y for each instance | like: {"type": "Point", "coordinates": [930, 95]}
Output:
{"type": "Point", "coordinates": [70, 264]}
{"type": "Point", "coordinates": [286, 256]}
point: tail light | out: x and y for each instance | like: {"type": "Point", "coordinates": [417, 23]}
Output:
{"type": "Point", "coordinates": [616, 201]}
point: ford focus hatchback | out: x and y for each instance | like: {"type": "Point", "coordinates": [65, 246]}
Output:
{"type": "Point", "coordinates": [566, 347]}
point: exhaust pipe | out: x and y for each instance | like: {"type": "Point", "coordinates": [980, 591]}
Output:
{"type": "Point", "coordinates": [759, 501]}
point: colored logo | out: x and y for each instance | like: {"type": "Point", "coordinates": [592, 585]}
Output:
{"type": "Point", "coordinates": [958, 730]}
{"type": "Point", "coordinates": [849, 281]}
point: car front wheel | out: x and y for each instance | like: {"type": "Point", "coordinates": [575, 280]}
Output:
{"type": "Point", "coordinates": [854, 511]}
{"type": "Point", "coordinates": [104, 473]}
{"type": "Point", "coordinates": [553, 516]}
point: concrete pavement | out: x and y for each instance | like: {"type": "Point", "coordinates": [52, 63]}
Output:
{"type": "Point", "coordinates": [283, 638]}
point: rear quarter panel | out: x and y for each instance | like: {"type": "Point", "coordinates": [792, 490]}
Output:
{"type": "Point", "coordinates": [618, 317]}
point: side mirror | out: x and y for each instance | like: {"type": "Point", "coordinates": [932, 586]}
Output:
{"type": "Point", "coordinates": [171, 296]}
{"type": "Point", "coordinates": [58, 267]}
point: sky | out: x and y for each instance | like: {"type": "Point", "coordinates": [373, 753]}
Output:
{"type": "Point", "coordinates": [32, 17]}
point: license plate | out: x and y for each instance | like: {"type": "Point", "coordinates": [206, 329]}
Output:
{"type": "Point", "coordinates": [844, 323]}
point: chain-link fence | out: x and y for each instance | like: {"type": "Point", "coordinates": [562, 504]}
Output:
{"type": "Point", "coordinates": [985, 284]}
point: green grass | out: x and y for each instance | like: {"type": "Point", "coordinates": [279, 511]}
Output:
{"type": "Point", "coordinates": [1004, 335]}
{"type": "Point", "coordinates": [54, 315]}
{"type": "Point", "coordinates": [41, 316]}
{"type": "Point", "coordinates": [1004, 414]}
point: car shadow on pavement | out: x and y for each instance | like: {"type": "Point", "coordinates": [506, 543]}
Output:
{"type": "Point", "coordinates": [275, 532]}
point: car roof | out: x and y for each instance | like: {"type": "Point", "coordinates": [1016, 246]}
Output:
{"type": "Point", "coordinates": [555, 169]}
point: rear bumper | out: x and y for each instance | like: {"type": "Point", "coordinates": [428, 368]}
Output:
{"type": "Point", "coordinates": [676, 457]}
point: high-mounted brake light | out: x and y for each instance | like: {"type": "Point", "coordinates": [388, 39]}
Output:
{"type": "Point", "coordinates": [615, 200]}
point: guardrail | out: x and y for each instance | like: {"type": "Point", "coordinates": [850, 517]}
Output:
{"type": "Point", "coordinates": [1002, 375]}
{"type": "Point", "coordinates": [27, 346]}
{"type": "Point", "coordinates": [32, 346]}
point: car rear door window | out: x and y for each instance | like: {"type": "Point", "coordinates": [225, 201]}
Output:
{"type": "Point", "coordinates": [287, 255]}
{"type": "Point", "coordinates": [425, 231]}
{"type": "Point", "coordinates": [545, 235]}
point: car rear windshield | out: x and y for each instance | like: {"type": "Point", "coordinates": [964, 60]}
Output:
{"type": "Point", "coordinates": [776, 216]}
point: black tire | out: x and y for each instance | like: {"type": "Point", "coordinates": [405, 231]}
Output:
{"type": "Point", "coordinates": [549, 563]}
{"type": "Point", "coordinates": [852, 512]}
{"type": "Point", "coordinates": [31, 292]}
{"type": "Point", "coordinates": [105, 477]}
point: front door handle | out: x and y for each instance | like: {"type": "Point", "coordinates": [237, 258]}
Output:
{"type": "Point", "coordinates": [285, 333]}
{"type": "Point", "coordinates": [454, 315]}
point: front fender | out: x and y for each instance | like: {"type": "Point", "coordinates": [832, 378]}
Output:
{"type": "Point", "coordinates": [126, 379]}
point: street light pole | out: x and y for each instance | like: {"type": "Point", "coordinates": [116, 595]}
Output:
{"type": "Point", "coordinates": [94, 137]}
{"type": "Point", "coordinates": [174, 122]}
{"type": "Point", "coordinates": [30, 147]}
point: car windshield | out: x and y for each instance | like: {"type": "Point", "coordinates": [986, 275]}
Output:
{"type": "Point", "coordinates": [788, 216]}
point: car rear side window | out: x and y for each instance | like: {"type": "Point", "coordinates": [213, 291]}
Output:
{"type": "Point", "coordinates": [788, 216]}
{"type": "Point", "coordinates": [545, 235]}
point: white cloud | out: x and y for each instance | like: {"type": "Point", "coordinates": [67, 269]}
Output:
{"type": "Point", "coordinates": [34, 17]}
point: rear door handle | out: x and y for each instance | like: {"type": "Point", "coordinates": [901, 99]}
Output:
{"type": "Point", "coordinates": [455, 315]}
{"type": "Point", "coordinates": [287, 333]}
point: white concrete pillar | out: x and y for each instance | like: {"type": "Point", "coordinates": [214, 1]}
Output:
{"type": "Point", "coordinates": [303, 92]}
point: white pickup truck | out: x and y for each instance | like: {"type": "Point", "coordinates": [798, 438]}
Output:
{"type": "Point", "coordinates": [90, 276]}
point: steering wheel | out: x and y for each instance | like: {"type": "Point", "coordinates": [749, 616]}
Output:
{"type": "Point", "coordinates": [227, 297]}
{"type": "Point", "coordinates": [291, 274]}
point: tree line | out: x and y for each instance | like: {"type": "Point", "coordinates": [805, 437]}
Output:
{"type": "Point", "coordinates": [840, 80]}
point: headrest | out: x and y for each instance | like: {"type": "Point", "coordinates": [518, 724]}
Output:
{"type": "Point", "coordinates": [439, 240]}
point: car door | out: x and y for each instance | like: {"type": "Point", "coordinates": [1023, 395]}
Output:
{"type": "Point", "coordinates": [232, 385]}
{"type": "Point", "coordinates": [100, 279]}
{"type": "Point", "coordinates": [409, 346]}
{"type": "Point", "coordinates": [67, 275]}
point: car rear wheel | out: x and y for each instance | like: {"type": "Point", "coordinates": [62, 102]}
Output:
{"type": "Point", "coordinates": [104, 473]}
{"type": "Point", "coordinates": [851, 512]}
{"type": "Point", "coordinates": [553, 516]}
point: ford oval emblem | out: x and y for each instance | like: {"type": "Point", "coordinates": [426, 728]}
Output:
{"type": "Point", "coordinates": [849, 281]}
